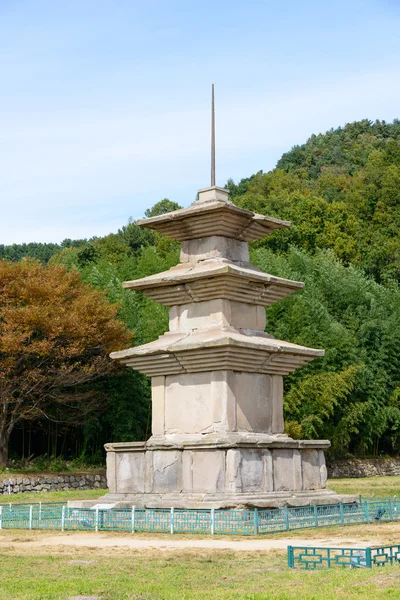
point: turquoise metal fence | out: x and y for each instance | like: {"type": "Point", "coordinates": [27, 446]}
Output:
{"type": "Point", "coordinates": [238, 522]}
{"type": "Point", "coordinates": [311, 559]}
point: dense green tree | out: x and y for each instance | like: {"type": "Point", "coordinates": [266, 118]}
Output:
{"type": "Point", "coordinates": [341, 191]}
{"type": "Point", "coordinates": [351, 395]}
{"type": "Point", "coordinates": [161, 207]}
{"type": "Point", "coordinates": [39, 251]}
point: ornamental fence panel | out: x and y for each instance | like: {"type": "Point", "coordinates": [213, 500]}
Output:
{"type": "Point", "coordinates": [314, 558]}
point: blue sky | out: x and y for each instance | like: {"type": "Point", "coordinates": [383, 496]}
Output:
{"type": "Point", "coordinates": [104, 105]}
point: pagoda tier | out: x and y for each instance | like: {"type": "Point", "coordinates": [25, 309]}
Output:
{"type": "Point", "coordinates": [216, 350]}
{"type": "Point", "coordinates": [213, 214]}
{"type": "Point", "coordinates": [214, 278]}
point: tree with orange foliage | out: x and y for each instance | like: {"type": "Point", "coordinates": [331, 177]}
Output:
{"type": "Point", "coordinates": [55, 336]}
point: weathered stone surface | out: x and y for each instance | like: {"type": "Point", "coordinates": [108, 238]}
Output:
{"type": "Point", "coordinates": [219, 501]}
{"type": "Point", "coordinates": [218, 401]}
{"type": "Point", "coordinates": [188, 405]}
{"type": "Point", "coordinates": [167, 471]}
{"type": "Point", "coordinates": [158, 405]}
{"type": "Point", "coordinates": [208, 471]}
{"type": "Point", "coordinates": [311, 470]}
{"type": "Point", "coordinates": [234, 439]}
{"type": "Point", "coordinates": [130, 469]}
{"type": "Point", "coordinates": [283, 470]}
{"type": "Point", "coordinates": [268, 465]}
{"type": "Point", "coordinates": [220, 471]}
{"type": "Point", "coordinates": [256, 404]}
{"type": "Point", "coordinates": [217, 313]}
{"type": "Point", "coordinates": [245, 470]}
{"type": "Point", "coordinates": [111, 471]}
{"type": "Point", "coordinates": [214, 246]}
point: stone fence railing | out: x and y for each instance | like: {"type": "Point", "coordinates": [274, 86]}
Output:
{"type": "Point", "coordinates": [363, 467]}
{"type": "Point", "coordinates": [15, 484]}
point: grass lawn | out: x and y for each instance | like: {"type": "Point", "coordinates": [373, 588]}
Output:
{"type": "Point", "coordinates": [53, 496]}
{"type": "Point", "coordinates": [369, 487]}
{"type": "Point", "coordinates": [208, 575]}
{"type": "Point", "coordinates": [59, 573]}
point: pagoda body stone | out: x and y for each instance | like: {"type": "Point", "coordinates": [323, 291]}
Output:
{"type": "Point", "coordinates": [217, 377]}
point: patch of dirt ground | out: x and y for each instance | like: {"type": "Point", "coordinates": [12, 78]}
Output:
{"type": "Point", "coordinates": [41, 542]}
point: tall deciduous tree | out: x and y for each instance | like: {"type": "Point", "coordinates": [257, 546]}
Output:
{"type": "Point", "coordinates": [55, 336]}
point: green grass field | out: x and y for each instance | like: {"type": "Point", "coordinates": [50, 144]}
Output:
{"type": "Point", "coordinates": [369, 487]}
{"type": "Point", "coordinates": [53, 496]}
{"type": "Point", "coordinates": [187, 575]}
{"type": "Point", "coordinates": [60, 573]}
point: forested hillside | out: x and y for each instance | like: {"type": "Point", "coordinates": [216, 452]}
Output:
{"type": "Point", "coordinates": [341, 190]}
{"type": "Point", "coordinates": [40, 251]}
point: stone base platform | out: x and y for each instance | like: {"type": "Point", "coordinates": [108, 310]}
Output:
{"type": "Point", "coordinates": [217, 501]}
{"type": "Point", "coordinates": [213, 471]}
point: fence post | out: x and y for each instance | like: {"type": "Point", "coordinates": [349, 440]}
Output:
{"type": "Point", "coordinates": [172, 521]}
{"type": "Point", "coordinates": [341, 511]}
{"type": "Point", "coordinates": [212, 521]}
{"type": "Point", "coordinates": [368, 562]}
{"type": "Point", "coordinates": [133, 519]}
{"type": "Point", "coordinates": [1, 517]}
{"type": "Point", "coordinates": [96, 527]}
{"type": "Point", "coordinates": [390, 509]}
{"type": "Point", "coordinates": [30, 516]}
{"type": "Point", "coordinates": [40, 511]}
{"type": "Point", "coordinates": [256, 521]}
{"type": "Point", "coordinates": [366, 510]}
{"type": "Point", "coordinates": [290, 557]}
{"type": "Point", "coordinates": [63, 518]}
{"type": "Point", "coordinates": [315, 515]}
{"type": "Point", "coordinates": [286, 515]}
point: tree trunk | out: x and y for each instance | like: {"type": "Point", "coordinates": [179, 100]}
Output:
{"type": "Point", "coordinates": [4, 438]}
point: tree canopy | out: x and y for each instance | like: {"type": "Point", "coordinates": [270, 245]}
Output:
{"type": "Point", "coordinates": [341, 191]}
{"type": "Point", "coordinates": [55, 336]}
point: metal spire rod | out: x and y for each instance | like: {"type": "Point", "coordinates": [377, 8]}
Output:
{"type": "Point", "coordinates": [212, 138]}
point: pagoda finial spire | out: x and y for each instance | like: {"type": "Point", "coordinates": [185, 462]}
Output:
{"type": "Point", "coordinates": [212, 138]}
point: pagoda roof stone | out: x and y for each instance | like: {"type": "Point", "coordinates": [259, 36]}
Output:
{"type": "Point", "coordinates": [211, 279]}
{"type": "Point", "coordinates": [213, 217]}
{"type": "Point", "coordinates": [217, 349]}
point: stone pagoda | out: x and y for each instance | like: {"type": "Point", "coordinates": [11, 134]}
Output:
{"type": "Point", "coordinates": [217, 377]}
